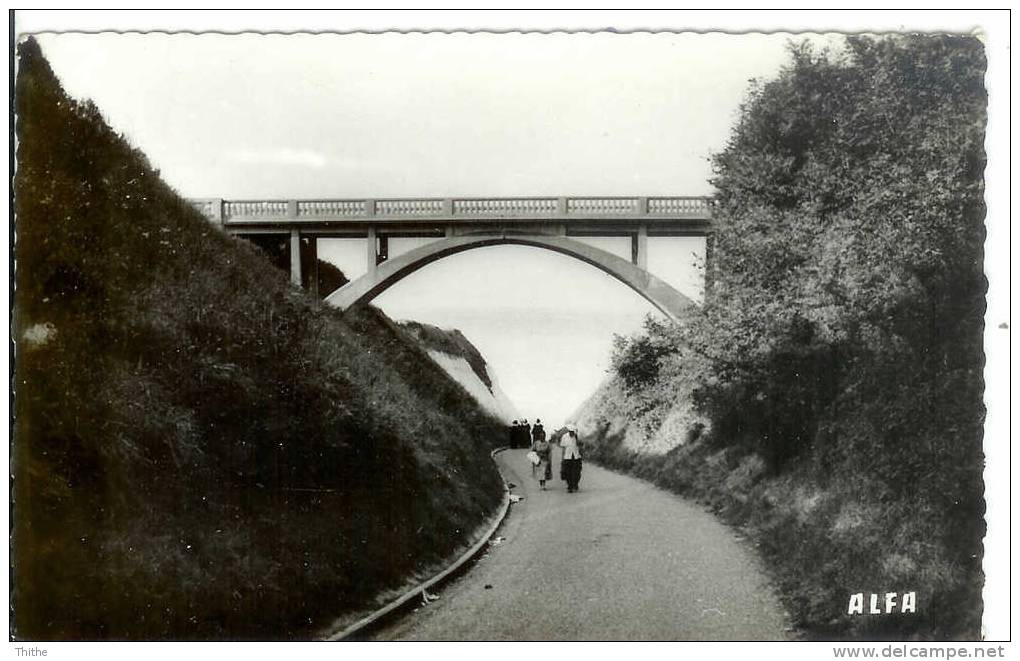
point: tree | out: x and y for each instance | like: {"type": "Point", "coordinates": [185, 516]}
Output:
{"type": "Point", "coordinates": [849, 231]}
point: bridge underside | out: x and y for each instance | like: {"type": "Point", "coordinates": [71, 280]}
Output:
{"type": "Point", "coordinates": [657, 292]}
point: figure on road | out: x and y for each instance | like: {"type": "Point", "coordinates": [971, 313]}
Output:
{"type": "Point", "coordinates": [512, 441]}
{"type": "Point", "coordinates": [538, 431]}
{"type": "Point", "coordinates": [542, 471]}
{"type": "Point", "coordinates": [521, 439]}
{"type": "Point", "coordinates": [570, 467]}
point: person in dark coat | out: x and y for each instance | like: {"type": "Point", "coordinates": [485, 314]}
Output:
{"type": "Point", "coordinates": [537, 432]}
{"type": "Point", "coordinates": [512, 433]}
{"type": "Point", "coordinates": [525, 434]}
{"type": "Point", "coordinates": [570, 468]}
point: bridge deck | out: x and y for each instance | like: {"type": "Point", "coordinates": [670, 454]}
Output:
{"type": "Point", "coordinates": [429, 211]}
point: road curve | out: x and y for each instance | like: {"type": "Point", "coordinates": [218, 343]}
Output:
{"type": "Point", "coordinates": [620, 560]}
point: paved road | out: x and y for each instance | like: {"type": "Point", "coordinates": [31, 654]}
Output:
{"type": "Point", "coordinates": [620, 560]}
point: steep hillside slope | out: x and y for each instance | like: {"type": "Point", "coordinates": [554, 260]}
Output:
{"type": "Point", "coordinates": [465, 365]}
{"type": "Point", "coordinates": [646, 419]}
{"type": "Point", "coordinates": [201, 450]}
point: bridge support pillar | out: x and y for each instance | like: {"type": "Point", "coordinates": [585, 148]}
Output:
{"type": "Point", "coordinates": [639, 247]}
{"type": "Point", "coordinates": [709, 248]}
{"type": "Point", "coordinates": [295, 257]}
{"type": "Point", "coordinates": [217, 206]}
{"type": "Point", "coordinates": [370, 255]}
{"type": "Point", "coordinates": [313, 265]}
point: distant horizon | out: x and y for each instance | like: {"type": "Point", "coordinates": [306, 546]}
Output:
{"type": "Point", "coordinates": [494, 373]}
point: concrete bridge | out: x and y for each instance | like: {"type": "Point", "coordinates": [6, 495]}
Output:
{"type": "Point", "coordinates": [457, 224]}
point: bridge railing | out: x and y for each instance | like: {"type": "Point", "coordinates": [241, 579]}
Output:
{"type": "Point", "coordinates": [479, 208]}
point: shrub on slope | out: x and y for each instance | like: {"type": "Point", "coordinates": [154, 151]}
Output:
{"type": "Point", "coordinates": [200, 449]}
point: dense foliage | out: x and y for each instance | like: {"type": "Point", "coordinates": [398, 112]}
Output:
{"type": "Point", "coordinates": [841, 341]}
{"type": "Point", "coordinates": [638, 360]}
{"type": "Point", "coordinates": [200, 449]}
{"type": "Point", "coordinates": [849, 253]}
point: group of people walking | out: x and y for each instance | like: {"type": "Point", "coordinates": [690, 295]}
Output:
{"type": "Point", "coordinates": [521, 433]}
{"type": "Point", "coordinates": [524, 435]}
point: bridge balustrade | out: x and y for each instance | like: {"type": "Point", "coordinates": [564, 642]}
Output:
{"type": "Point", "coordinates": [509, 208]}
{"type": "Point", "coordinates": [678, 206]}
{"type": "Point", "coordinates": [505, 207]}
{"type": "Point", "coordinates": [603, 205]}
{"type": "Point", "coordinates": [255, 208]}
{"type": "Point", "coordinates": [321, 208]}
{"type": "Point", "coordinates": [409, 207]}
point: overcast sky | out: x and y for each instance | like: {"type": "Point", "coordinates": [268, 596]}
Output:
{"type": "Point", "coordinates": [435, 114]}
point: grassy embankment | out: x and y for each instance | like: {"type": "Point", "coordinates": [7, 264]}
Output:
{"type": "Point", "coordinates": [827, 398]}
{"type": "Point", "coordinates": [202, 451]}
{"type": "Point", "coordinates": [451, 342]}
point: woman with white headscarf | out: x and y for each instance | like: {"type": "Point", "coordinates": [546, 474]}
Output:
{"type": "Point", "coordinates": [542, 470]}
{"type": "Point", "coordinates": [571, 464]}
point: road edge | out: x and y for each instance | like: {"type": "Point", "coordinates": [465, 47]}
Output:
{"type": "Point", "coordinates": [416, 591]}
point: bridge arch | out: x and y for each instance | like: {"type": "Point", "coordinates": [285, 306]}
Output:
{"type": "Point", "coordinates": [660, 294]}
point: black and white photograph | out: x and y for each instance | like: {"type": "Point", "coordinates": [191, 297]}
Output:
{"type": "Point", "coordinates": [364, 327]}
